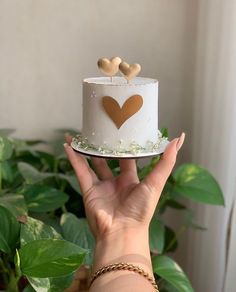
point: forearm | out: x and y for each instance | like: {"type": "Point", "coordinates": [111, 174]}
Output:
{"type": "Point", "coordinates": [131, 246]}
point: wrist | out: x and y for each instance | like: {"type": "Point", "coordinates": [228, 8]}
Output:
{"type": "Point", "coordinates": [128, 245]}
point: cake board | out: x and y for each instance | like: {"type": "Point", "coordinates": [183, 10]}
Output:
{"type": "Point", "coordinates": [92, 152]}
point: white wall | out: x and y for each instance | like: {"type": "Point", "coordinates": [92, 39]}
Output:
{"type": "Point", "coordinates": [48, 46]}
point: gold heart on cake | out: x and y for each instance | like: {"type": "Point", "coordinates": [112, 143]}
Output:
{"type": "Point", "coordinates": [129, 71]}
{"type": "Point", "coordinates": [120, 115]}
{"type": "Point", "coordinates": [109, 66]}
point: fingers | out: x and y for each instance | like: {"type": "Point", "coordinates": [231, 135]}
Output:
{"type": "Point", "coordinates": [157, 178]}
{"type": "Point", "coordinates": [102, 169]}
{"type": "Point", "coordinates": [129, 166]}
{"type": "Point", "coordinates": [85, 175]}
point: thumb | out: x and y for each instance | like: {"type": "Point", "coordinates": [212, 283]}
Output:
{"type": "Point", "coordinates": [156, 180]}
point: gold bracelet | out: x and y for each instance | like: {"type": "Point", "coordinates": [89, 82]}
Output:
{"type": "Point", "coordinates": [124, 266]}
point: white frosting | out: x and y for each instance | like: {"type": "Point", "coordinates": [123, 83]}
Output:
{"type": "Point", "coordinates": [140, 128]}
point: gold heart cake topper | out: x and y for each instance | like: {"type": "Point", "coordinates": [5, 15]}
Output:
{"type": "Point", "coordinates": [109, 66]}
{"type": "Point", "coordinates": [129, 71]}
{"type": "Point", "coordinates": [120, 115]}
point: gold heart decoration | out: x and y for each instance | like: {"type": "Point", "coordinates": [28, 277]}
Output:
{"type": "Point", "coordinates": [109, 66]}
{"type": "Point", "coordinates": [129, 71]}
{"type": "Point", "coordinates": [120, 115]}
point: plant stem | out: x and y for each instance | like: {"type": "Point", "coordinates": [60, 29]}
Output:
{"type": "Point", "coordinates": [13, 283]}
{"type": "Point", "coordinates": [5, 271]}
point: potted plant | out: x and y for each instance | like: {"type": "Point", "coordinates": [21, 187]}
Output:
{"type": "Point", "coordinates": [45, 241]}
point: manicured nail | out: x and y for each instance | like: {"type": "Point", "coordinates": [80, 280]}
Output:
{"type": "Point", "coordinates": [180, 142]}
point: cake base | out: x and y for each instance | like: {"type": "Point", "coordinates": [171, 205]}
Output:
{"type": "Point", "coordinates": [82, 146]}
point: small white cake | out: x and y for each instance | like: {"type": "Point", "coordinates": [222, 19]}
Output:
{"type": "Point", "coordinates": [120, 117]}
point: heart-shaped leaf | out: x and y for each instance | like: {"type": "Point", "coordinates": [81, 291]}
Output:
{"type": "Point", "coordinates": [6, 148]}
{"type": "Point", "coordinates": [41, 198]}
{"type": "Point", "coordinates": [51, 284]}
{"type": "Point", "coordinates": [9, 231]}
{"type": "Point", "coordinates": [50, 258]}
{"type": "Point", "coordinates": [77, 231]}
{"type": "Point", "coordinates": [196, 183]}
{"type": "Point", "coordinates": [35, 229]}
{"type": "Point", "coordinates": [169, 270]}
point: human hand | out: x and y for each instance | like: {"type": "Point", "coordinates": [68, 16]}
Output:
{"type": "Point", "coordinates": [113, 204]}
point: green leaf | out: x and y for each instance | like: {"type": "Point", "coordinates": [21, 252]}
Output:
{"type": "Point", "coordinates": [41, 198]}
{"type": "Point", "coordinates": [77, 231]}
{"type": "Point", "coordinates": [198, 184]}
{"type": "Point", "coordinates": [171, 242]}
{"type": "Point", "coordinates": [72, 180]}
{"type": "Point", "coordinates": [169, 270]}
{"type": "Point", "coordinates": [47, 159]}
{"type": "Point", "coordinates": [6, 149]}
{"type": "Point", "coordinates": [51, 284]}
{"type": "Point", "coordinates": [156, 236]}
{"type": "Point", "coordinates": [9, 231]}
{"type": "Point", "coordinates": [50, 258]}
{"type": "Point", "coordinates": [166, 287]}
{"type": "Point", "coordinates": [48, 219]}
{"type": "Point", "coordinates": [35, 229]}
{"type": "Point", "coordinates": [7, 172]}
{"type": "Point", "coordinates": [15, 203]}
{"type": "Point", "coordinates": [31, 174]}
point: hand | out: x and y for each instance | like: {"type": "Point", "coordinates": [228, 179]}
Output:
{"type": "Point", "coordinates": [116, 203]}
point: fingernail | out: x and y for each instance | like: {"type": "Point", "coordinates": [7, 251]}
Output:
{"type": "Point", "coordinates": [180, 142]}
{"type": "Point", "coordinates": [65, 145]}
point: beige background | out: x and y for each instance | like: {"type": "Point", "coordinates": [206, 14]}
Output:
{"type": "Point", "coordinates": [48, 46]}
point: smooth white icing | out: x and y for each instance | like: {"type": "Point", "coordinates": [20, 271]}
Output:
{"type": "Point", "coordinates": [140, 128]}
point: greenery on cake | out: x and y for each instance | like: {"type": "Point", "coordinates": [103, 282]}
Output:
{"type": "Point", "coordinates": [44, 234]}
{"type": "Point", "coordinates": [81, 143]}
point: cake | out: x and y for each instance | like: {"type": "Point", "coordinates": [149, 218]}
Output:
{"type": "Point", "coordinates": [120, 116]}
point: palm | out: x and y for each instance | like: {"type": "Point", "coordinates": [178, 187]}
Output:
{"type": "Point", "coordinates": [117, 201]}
